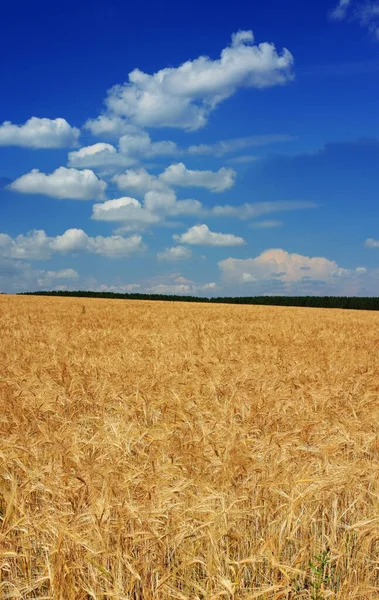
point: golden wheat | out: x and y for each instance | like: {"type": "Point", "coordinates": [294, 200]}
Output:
{"type": "Point", "coordinates": [156, 450]}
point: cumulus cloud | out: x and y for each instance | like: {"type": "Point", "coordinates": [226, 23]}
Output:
{"type": "Point", "coordinates": [33, 246]}
{"type": "Point", "coordinates": [107, 126]}
{"type": "Point", "coordinates": [17, 276]}
{"type": "Point", "coordinates": [165, 202]}
{"type": "Point", "coordinates": [175, 253]}
{"type": "Point", "coordinates": [156, 206]}
{"type": "Point", "coordinates": [49, 278]}
{"type": "Point", "coordinates": [371, 243]}
{"type": "Point", "coordinates": [100, 156]}
{"type": "Point", "coordinates": [125, 210]}
{"type": "Point", "coordinates": [36, 245]}
{"type": "Point", "coordinates": [138, 144]}
{"type": "Point", "coordinates": [63, 183]}
{"type": "Point", "coordinates": [200, 235]}
{"type": "Point", "coordinates": [39, 133]}
{"type": "Point", "coordinates": [179, 175]}
{"type": "Point", "coordinates": [185, 96]}
{"type": "Point", "coordinates": [134, 146]}
{"type": "Point", "coordinates": [138, 181]}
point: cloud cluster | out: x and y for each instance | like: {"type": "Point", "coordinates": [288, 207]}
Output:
{"type": "Point", "coordinates": [76, 184]}
{"type": "Point", "coordinates": [284, 272]}
{"type": "Point", "coordinates": [185, 96]}
{"type": "Point", "coordinates": [133, 147]}
{"type": "Point", "coordinates": [36, 245]}
{"type": "Point", "coordinates": [177, 175]}
{"type": "Point", "coordinates": [365, 12]}
{"type": "Point", "coordinates": [136, 146]}
{"type": "Point", "coordinates": [174, 283]}
{"type": "Point", "coordinates": [16, 276]}
{"type": "Point", "coordinates": [39, 133]}
{"type": "Point", "coordinates": [160, 201]}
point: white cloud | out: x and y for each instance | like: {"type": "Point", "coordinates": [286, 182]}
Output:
{"type": "Point", "coordinates": [257, 209]}
{"type": "Point", "coordinates": [76, 240]}
{"type": "Point", "coordinates": [100, 156]}
{"type": "Point", "coordinates": [17, 276]}
{"type": "Point", "coordinates": [218, 181]}
{"type": "Point", "coordinates": [36, 245]}
{"type": "Point", "coordinates": [134, 146]}
{"type": "Point", "coordinates": [125, 210]}
{"type": "Point", "coordinates": [160, 201]}
{"type": "Point", "coordinates": [39, 133]}
{"type": "Point", "coordinates": [33, 246]}
{"type": "Point", "coordinates": [138, 181]}
{"type": "Point", "coordinates": [370, 243]}
{"type": "Point", "coordinates": [62, 183]}
{"type": "Point", "coordinates": [107, 125]}
{"type": "Point", "coordinates": [134, 215]}
{"type": "Point", "coordinates": [49, 278]}
{"type": "Point", "coordinates": [175, 253]}
{"type": "Point", "coordinates": [200, 235]}
{"type": "Point", "coordinates": [138, 144]}
{"type": "Point", "coordinates": [185, 96]}
{"type": "Point", "coordinates": [165, 202]}
{"type": "Point", "coordinates": [339, 12]}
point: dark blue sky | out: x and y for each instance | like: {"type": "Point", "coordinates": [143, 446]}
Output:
{"type": "Point", "coordinates": [297, 179]}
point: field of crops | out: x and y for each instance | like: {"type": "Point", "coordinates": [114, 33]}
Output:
{"type": "Point", "coordinates": [158, 450]}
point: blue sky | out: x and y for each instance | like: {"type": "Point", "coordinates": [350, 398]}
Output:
{"type": "Point", "coordinates": [208, 149]}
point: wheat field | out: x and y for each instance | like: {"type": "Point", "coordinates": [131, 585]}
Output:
{"type": "Point", "coordinates": [160, 450]}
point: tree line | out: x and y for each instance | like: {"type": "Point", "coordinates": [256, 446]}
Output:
{"type": "Point", "coordinates": [354, 302]}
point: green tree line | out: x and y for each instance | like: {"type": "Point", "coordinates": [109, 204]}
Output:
{"type": "Point", "coordinates": [355, 302]}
